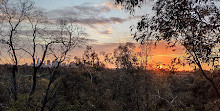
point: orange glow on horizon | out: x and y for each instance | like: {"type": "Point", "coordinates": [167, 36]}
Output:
{"type": "Point", "coordinates": [159, 54]}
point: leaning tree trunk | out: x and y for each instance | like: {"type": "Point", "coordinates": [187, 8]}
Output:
{"type": "Point", "coordinates": [210, 80]}
{"type": "Point", "coordinates": [34, 78]}
{"type": "Point", "coordinates": [204, 74]}
{"type": "Point", "coordinates": [52, 78]}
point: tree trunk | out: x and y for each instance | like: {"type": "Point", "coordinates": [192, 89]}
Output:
{"type": "Point", "coordinates": [44, 102]}
{"type": "Point", "coordinates": [210, 80]}
{"type": "Point", "coordinates": [197, 61]}
{"type": "Point", "coordinates": [34, 78]}
{"type": "Point", "coordinates": [14, 69]}
{"type": "Point", "coordinates": [45, 99]}
{"type": "Point", "coordinates": [14, 82]}
{"type": "Point", "coordinates": [137, 100]}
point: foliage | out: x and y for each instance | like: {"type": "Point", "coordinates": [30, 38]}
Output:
{"type": "Point", "coordinates": [194, 24]}
{"type": "Point", "coordinates": [123, 56]}
{"type": "Point", "coordinates": [115, 89]}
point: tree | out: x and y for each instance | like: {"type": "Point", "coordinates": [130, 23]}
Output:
{"type": "Point", "coordinates": [40, 40]}
{"type": "Point", "coordinates": [91, 58]}
{"type": "Point", "coordinates": [194, 24]}
{"type": "Point", "coordinates": [22, 22]}
{"type": "Point", "coordinates": [130, 4]}
{"type": "Point", "coordinates": [13, 13]}
{"type": "Point", "coordinates": [67, 37]}
{"type": "Point", "coordinates": [144, 54]}
{"type": "Point", "coordinates": [123, 56]}
{"type": "Point", "coordinates": [92, 62]}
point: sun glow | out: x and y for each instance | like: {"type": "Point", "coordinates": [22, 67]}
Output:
{"type": "Point", "coordinates": [160, 66]}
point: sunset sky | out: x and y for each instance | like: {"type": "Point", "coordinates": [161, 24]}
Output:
{"type": "Point", "coordinates": [104, 21]}
{"type": "Point", "coordinates": [107, 24]}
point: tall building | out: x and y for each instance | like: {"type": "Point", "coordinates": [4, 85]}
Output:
{"type": "Point", "coordinates": [48, 63]}
{"type": "Point", "coordinates": [38, 62]}
{"type": "Point", "coordinates": [54, 63]}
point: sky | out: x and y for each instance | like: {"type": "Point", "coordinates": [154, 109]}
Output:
{"type": "Point", "coordinates": [104, 21]}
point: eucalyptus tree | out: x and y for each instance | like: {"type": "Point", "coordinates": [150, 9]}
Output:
{"type": "Point", "coordinates": [195, 24]}
{"type": "Point", "coordinates": [123, 57]}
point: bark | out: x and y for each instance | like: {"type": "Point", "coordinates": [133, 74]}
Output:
{"type": "Point", "coordinates": [197, 61]}
{"type": "Point", "coordinates": [210, 80]}
{"type": "Point", "coordinates": [34, 77]}
{"type": "Point", "coordinates": [15, 66]}
{"type": "Point", "coordinates": [14, 82]}
{"type": "Point", "coordinates": [137, 100]}
{"type": "Point", "coordinates": [52, 78]}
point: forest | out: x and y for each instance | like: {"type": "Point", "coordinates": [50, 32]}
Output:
{"type": "Point", "coordinates": [131, 83]}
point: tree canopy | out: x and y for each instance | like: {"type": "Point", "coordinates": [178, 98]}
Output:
{"type": "Point", "coordinates": [195, 24]}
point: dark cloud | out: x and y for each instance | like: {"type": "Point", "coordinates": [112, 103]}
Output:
{"type": "Point", "coordinates": [62, 12]}
{"type": "Point", "coordinates": [89, 9]}
{"type": "Point", "coordinates": [135, 17]}
{"type": "Point", "coordinates": [98, 20]}
{"type": "Point", "coordinates": [86, 15]}
{"type": "Point", "coordinates": [79, 11]}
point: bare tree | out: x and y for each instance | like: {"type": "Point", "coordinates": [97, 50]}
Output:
{"type": "Point", "coordinates": [13, 13]}
{"type": "Point", "coordinates": [68, 37]}
{"type": "Point", "coordinates": [40, 40]}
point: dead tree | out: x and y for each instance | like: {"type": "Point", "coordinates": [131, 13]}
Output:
{"type": "Point", "coordinates": [13, 13]}
{"type": "Point", "coordinates": [37, 22]}
{"type": "Point", "coordinates": [68, 37]}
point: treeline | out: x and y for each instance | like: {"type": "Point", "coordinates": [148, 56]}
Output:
{"type": "Point", "coordinates": [91, 86]}
{"type": "Point", "coordinates": [91, 89]}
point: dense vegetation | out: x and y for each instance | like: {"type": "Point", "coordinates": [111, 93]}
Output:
{"type": "Point", "coordinates": [90, 86]}
{"type": "Point", "coordinates": [111, 89]}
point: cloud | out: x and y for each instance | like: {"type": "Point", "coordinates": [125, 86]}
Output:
{"type": "Point", "coordinates": [62, 12]}
{"type": "Point", "coordinates": [105, 37]}
{"type": "Point", "coordinates": [89, 9]}
{"type": "Point", "coordinates": [111, 5]}
{"type": "Point", "coordinates": [135, 17]}
{"type": "Point", "coordinates": [98, 20]}
{"type": "Point", "coordinates": [105, 30]}
{"type": "Point", "coordinates": [87, 15]}
{"type": "Point", "coordinates": [79, 11]}
{"type": "Point", "coordinates": [129, 36]}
